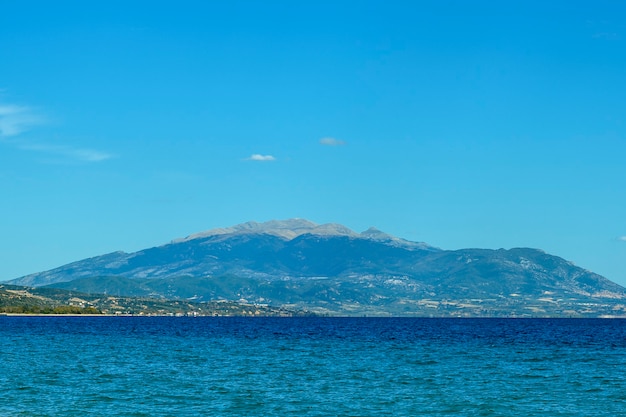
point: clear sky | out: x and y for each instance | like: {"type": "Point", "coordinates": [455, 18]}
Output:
{"type": "Point", "coordinates": [491, 124]}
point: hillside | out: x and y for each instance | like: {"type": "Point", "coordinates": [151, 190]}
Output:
{"type": "Point", "coordinates": [27, 300]}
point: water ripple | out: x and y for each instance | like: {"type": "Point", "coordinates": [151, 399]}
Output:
{"type": "Point", "coordinates": [56, 366]}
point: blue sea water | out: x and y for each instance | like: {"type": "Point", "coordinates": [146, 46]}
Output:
{"type": "Point", "coordinates": [139, 366]}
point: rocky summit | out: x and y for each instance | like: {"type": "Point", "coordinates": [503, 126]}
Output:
{"type": "Point", "coordinates": [330, 269]}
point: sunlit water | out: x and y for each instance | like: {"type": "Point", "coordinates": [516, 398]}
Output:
{"type": "Point", "coordinates": [131, 366]}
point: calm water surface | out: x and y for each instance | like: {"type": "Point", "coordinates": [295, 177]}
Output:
{"type": "Point", "coordinates": [131, 366]}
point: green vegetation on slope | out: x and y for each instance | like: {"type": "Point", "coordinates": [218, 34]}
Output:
{"type": "Point", "coordinates": [28, 300]}
{"type": "Point", "coordinates": [35, 309]}
{"type": "Point", "coordinates": [369, 295]}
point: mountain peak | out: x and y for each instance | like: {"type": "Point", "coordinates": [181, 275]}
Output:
{"type": "Point", "coordinates": [291, 228]}
{"type": "Point", "coordinates": [287, 229]}
{"type": "Point", "coordinates": [374, 233]}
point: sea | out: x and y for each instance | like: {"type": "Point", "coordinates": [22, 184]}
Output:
{"type": "Point", "coordinates": [311, 366]}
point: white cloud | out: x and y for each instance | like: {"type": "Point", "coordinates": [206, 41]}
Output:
{"type": "Point", "coordinates": [259, 157]}
{"type": "Point", "coordinates": [331, 142]}
{"type": "Point", "coordinates": [622, 238]}
{"type": "Point", "coordinates": [17, 119]}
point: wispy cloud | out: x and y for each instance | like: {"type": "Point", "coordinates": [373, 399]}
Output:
{"type": "Point", "coordinates": [607, 36]}
{"type": "Point", "coordinates": [328, 141]}
{"type": "Point", "coordinates": [17, 119]}
{"type": "Point", "coordinates": [622, 238]}
{"type": "Point", "coordinates": [77, 154]}
{"type": "Point", "coordinates": [605, 29]}
{"type": "Point", "coordinates": [261, 158]}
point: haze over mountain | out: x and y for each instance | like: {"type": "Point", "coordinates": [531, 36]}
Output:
{"type": "Point", "coordinates": [331, 269]}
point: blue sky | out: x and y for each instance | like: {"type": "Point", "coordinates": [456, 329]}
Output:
{"type": "Point", "coordinates": [124, 125]}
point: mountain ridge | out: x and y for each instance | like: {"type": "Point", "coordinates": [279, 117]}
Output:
{"type": "Point", "coordinates": [291, 228]}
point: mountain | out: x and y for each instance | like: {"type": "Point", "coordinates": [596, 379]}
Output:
{"type": "Point", "coordinates": [331, 269]}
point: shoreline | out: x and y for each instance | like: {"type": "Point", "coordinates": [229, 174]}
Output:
{"type": "Point", "coordinates": [601, 317]}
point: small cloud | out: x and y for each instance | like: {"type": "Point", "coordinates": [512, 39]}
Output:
{"type": "Point", "coordinates": [331, 142]}
{"type": "Point", "coordinates": [17, 119]}
{"type": "Point", "coordinates": [259, 157]}
{"type": "Point", "coordinates": [622, 238]}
